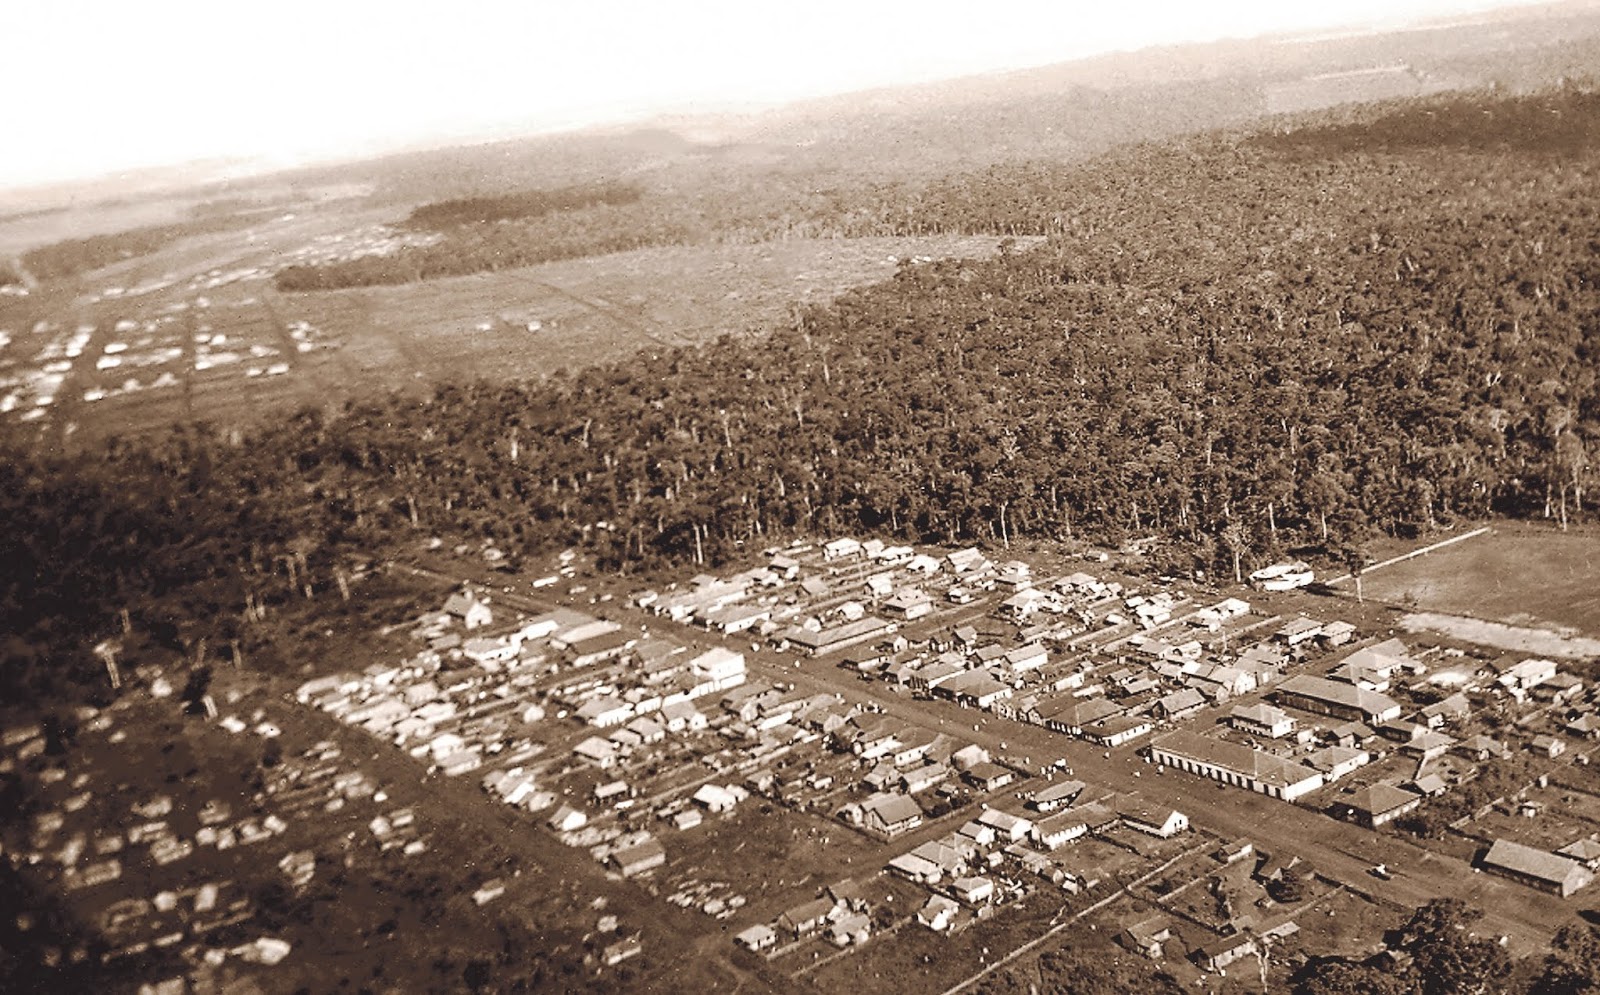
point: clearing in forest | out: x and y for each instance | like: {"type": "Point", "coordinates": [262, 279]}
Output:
{"type": "Point", "coordinates": [1520, 574]}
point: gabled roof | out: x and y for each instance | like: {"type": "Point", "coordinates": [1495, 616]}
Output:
{"type": "Point", "coordinates": [1585, 849]}
{"type": "Point", "coordinates": [1526, 860]}
{"type": "Point", "coordinates": [893, 809]}
{"type": "Point", "coordinates": [1063, 792]}
{"type": "Point", "coordinates": [1376, 799]}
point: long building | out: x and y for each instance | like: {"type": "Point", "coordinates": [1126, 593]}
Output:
{"type": "Point", "coordinates": [839, 637]}
{"type": "Point", "coordinates": [1536, 868]}
{"type": "Point", "coordinates": [1238, 765]}
{"type": "Point", "coordinates": [1345, 701]}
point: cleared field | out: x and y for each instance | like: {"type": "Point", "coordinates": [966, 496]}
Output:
{"type": "Point", "coordinates": [196, 331]}
{"type": "Point", "coordinates": [1519, 574]}
{"type": "Point", "coordinates": [530, 322]}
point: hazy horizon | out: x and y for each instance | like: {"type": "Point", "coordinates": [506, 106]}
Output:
{"type": "Point", "coordinates": [167, 84]}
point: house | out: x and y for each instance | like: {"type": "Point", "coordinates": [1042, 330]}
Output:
{"type": "Point", "coordinates": [1180, 704]}
{"type": "Point", "coordinates": [641, 858]}
{"type": "Point", "coordinates": [1007, 827]}
{"type": "Point", "coordinates": [1218, 954]}
{"type": "Point", "coordinates": [757, 938]}
{"type": "Point", "coordinates": [1428, 746]}
{"type": "Point", "coordinates": [1481, 748]}
{"type": "Point", "coordinates": [908, 604]}
{"type": "Point", "coordinates": [973, 890]}
{"type": "Point", "coordinates": [1056, 796]}
{"type": "Point", "coordinates": [937, 913]}
{"type": "Point", "coordinates": [733, 619]}
{"type": "Point", "coordinates": [1147, 936]}
{"type": "Point", "coordinates": [1160, 822]}
{"type": "Point", "coordinates": [841, 548]}
{"type": "Point", "coordinates": [916, 868]}
{"type": "Point", "coordinates": [1117, 730]}
{"type": "Point", "coordinates": [1057, 830]}
{"type": "Point", "coordinates": [1536, 868]}
{"type": "Point", "coordinates": [605, 711]}
{"type": "Point", "coordinates": [598, 648]}
{"type": "Point", "coordinates": [1350, 733]}
{"type": "Point", "coordinates": [715, 798]}
{"type": "Point", "coordinates": [683, 716]}
{"type": "Point", "coordinates": [856, 927]}
{"type": "Point", "coordinates": [597, 751]}
{"type": "Point", "coordinates": [1025, 659]}
{"type": "Point", "coordinates": [1561, 688]}
{"type": "Point", "coordinates": [1377, 804]}
{"type": "Point", "coordinates": [890, 816]}
{"type": "Point", "coordinates": [648, 730]}
{"type": "Point", "coordinates": [1336, 761]}
{"type": "Point", "coordinates": [1345, 701]}
{"type": "Point", "coordinates": [848, 893]}
{"type": "Point", "coordinates": [1526, 675]}
{"type": "Point", "coordinates": [922, 778]}
{"type": "Point", "coordinates": [1262, 720]}
{"type": "Point", "coordinates": [1337, 633]}
{"type": "Point", "coordinates": [950, 854]}
{"type": "Point", "coordinates": [975, 688]}
{"type": "Point", "coordinates": [1070, 715]}
{"type": "Point", "coordinates": [1298, 631]}
{"type": "Point", "coordinates": [969, 756]}
{"type": "Point", "coordinates": [1585, 851]}
{"type": "Point", "coordinates": [881, 585]}
{"type": "Point", "coordinates": [806, 918]}
{"type": "Point", "coordinates": [839, 637]}
{"type": "Point", "coordinates": [1455, 708]}
{"type": "Point", "coordinates": [472, 613]}
{"type": "Point", "coordinates": [1585, 726]}
{"type": "Point", "coordinates": [486, 652]}
{"type": "Point", "coordinates": [568, 819]}
{"type": "Point", "coordinates": [1550, 746]}
{"type": "Point", "coordinates": [967, 560]}
{"type": "Point", "coordinates": [719, 667]}
{"type": "Point", "coordinates": [1430, 785]}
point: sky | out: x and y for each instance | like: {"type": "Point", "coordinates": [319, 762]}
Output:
{"type": "Point", "coordinates": [100, 86]}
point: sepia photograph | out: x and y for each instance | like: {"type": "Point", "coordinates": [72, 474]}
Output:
{"type": "Point", "coordinates": [640, 498]}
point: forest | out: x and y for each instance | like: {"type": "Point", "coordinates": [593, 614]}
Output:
{"type": "Point", "coordinates": [1239, 344]}
{"type": "Point", "coordinates": [444, 214]}
{"type": "Point", "coordinates": [81, 255]}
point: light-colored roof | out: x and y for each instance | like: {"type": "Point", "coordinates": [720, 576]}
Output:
{"type": "Point", "coordinates": [1534, 863]}
{"type": "Point", "coordinates": [1265, 768]}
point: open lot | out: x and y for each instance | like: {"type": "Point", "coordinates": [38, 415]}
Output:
{"type": "Point", "coordinates": [1521, 574]}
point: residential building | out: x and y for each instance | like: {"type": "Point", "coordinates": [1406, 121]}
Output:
{"type": "Point", "coordinates": [1160, 822]}
{"type": "Point", "coordinates": [1262, 720]}
{"type": "Point", "coordinates": [1378, 804]}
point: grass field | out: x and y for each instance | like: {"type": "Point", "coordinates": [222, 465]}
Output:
{"type": "Point", "coordinates": [127, 349]}
{"type": "Point", "coordinates": [603, 307]}
{"type": "Point", "coordinates": [1521, 574]}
